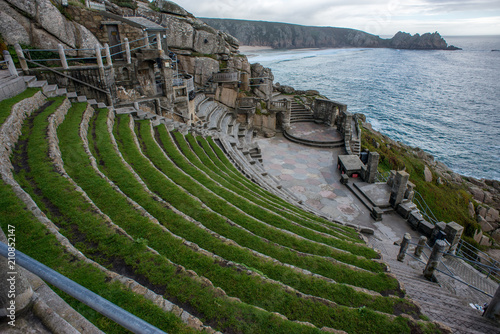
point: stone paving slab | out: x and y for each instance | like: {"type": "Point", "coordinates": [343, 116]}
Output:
{"type": "Point", "coordinates": [313, 131]}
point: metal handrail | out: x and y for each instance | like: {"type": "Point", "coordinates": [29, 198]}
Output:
{"type": "Point", "coordinates": [424, 208]}
{"type": "Point", "coordinates": [382, 177]}
{"type": "Point", "coordinates": [68, 76]}
{"type": "Point", "coordinates": [75, 290]}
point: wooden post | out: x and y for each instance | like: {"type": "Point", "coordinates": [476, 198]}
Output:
{"type": "Point", "coordinates": [420, 247]}
{"type": "Point", "coordinates": [10, 63]}
{"type": "Point", "coordinates": [20, 55]}
{"type": "Point", "coordinates": [127, 51]}
{"type": "Point", "coordinates": [62, 55]}
{"type": "Point", "coordinates": [99, 61]}
{"type": "Point", "coordinates": [146, 39]}
{"type": "Point", "coordinates": [404, 247]}
{"type": "Point", "coordinates": [436, 255]}
{"type": "Point", "coordinates": [158, 41]}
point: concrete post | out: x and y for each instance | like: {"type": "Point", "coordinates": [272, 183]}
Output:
{"type": "Point", "coordinates": [62, 55]}
{"type": "Point", "coordinates": [404, 247]}
{"type": "Point", "coordinates": [420, 246]}
{"type": "Point", "coordinates": [158, 41]}
{"type": "Point", "coordinates": [16, 293]}
{"type": "Point", "coordinates": [10, 63]}
{"type": "Point", "coordinates": [398, 189]}
{"type": "Point", "coordinates": [109, 62]}
{"type": "Point", "coordinates": [127, 51]}
{"type": "Point", "coordinates": [20, 55]}
{"type": "Point", "coordinates": [146, 39]}
{"type": "Point", "coordinates": [372, 165]}
{"type": "Point", "coordinates": [99, 61]}
{"type": "Point", "coordinates": [493, 310]}
{"type": "Point", "coordinates": [436, 255]}
{"type": "Point", "coordinates": [87, 3]}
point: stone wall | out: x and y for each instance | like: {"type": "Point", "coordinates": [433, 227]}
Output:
{"type": "Point", "coordinates": [327, 111]}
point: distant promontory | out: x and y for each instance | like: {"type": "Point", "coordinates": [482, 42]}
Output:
{"type": "Point", "coordinates": [293, 36]}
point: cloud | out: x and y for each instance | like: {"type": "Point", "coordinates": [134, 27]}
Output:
{"type": "Point", "coordinates": [381, 17]}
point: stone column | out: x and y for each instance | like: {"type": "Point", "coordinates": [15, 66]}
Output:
{"type": "Point", "coordinates": [127, 51]}
{"type": "Point", "coordinates": [420, 246]}
{"type": "Point", "coordinates": [10, 63]}
{"type": "Point", "coordinates": [404, 247]}
{"type": "Point", "coordinates": [16, 293]}
{"type": "Point", "coordinates": [453, 234]}
{"type": "Point", "coordinates": [398, 189]}
{"type": "Point", "coordinates": [20, 56]}
{"type": "Point", "coordinates": [436, 255]}
{"type": "Point", "coordinates": [372, 166]}
{"type": "Point", "coordinates": [62, 55]}
{"type": "Point", "coordinates": [493, 310]}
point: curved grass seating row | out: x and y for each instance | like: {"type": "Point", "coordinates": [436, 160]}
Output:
{"type": "Point", "coordinates": [198, 157]}
{"type": "Point", "coordinates": [188, 205]}
{"type": "Point", "coordinates": [91, 234]}
{"type": "Point", "coordinates": [110, 164]}
{"type": "Point", "coordinates": [35, 240]}
{"type": "Point", "coordinates": [249, 288]}
{"type": "Point", "coordinates": [185, 143]}
{"type": "Point", "coordinates": [219, 158]}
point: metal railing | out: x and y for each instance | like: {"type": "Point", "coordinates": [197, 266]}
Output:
{"type": "Point", "coordinates": [478, 259]}
{"type": "Point", "coordinates": [226, 77]}
{"type": "Point", "coordinates": [424, 208]}
{"type": "Point", "coordinates": [382, 177]}
{"type": "Point", "coordinates": [75, 290]}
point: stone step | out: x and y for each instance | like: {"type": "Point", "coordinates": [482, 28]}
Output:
{"type": "Point", "coordinates": [101, 105]}
{"type": "Point", "coordinates": [38, 84]}
{"type": "Point", "coordinates": [92, 102]}
{"type": "Point", "coordinates": [81, 99]}
{"type": "Point", "coordinates": [72, 96]}
{"type": "Point", "coordinates": [50, 90]}
{"type": "Point", "coordinates": [29, 78]}
{"type": "Point", "coordinates": [61, 91]}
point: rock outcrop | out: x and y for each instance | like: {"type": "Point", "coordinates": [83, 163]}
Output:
{"type": "Point", "coordinates": [41, 24]}
{"type": "Point", "coordinates": [290, 36]}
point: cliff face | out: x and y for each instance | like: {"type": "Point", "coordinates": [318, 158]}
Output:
{"type": "Point", "coordinates": [289, 36]}
{"type": "Point", "coordinates": [39, 23]}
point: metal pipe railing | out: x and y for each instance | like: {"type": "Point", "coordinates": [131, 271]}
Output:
{"type": "Point", "coordinates": [89, 298]}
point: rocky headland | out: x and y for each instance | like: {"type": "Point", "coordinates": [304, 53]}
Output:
{"type": "Point", "coordinates": [293, 36]}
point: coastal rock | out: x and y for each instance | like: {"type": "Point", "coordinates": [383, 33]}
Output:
{"type": "Point", "coordinates": [472, 212]}
{"type": "Point", "coordinates": [481, 211]}
{"type": "Point", "coordinates": [40, 24]}
{"type": "Point", "coordinates": [170, 7]}
{"type": "Point", "coordinates": [496, 236]}
{"type": "Point", "coordinates": [492, 215]}
{"type": "Point", "coordinates": [427, 174]}
{"type": "Point", "coordinates": [485, 226]}
{"type": "Point", "coordinates": [292, 36]}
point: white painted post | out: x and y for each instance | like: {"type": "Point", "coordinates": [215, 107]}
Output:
{"type": "Point", "coordinates": [146, 39]}
{"type": "Point", "coordinates": [62, 55]}
{"type": "Point", "coordinates": [99, 60]}
{"type": "Point", "coordinates": [108, 55]}
{"type": "Point", "coordinates": [10, 63]}
{"type": "Point", "coordinates": [20, 55]}
{"type": "Point", "coordinates": [158, 41]}
{"type": "Point", "coordinates": [87, 3]}
{"type": "Point", "coordinates": [127, 51]}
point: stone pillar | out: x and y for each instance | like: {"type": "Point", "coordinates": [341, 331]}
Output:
{"type": "Point", "coordinates": [493, 310]}
{"type": "Point", "coordinates": [420, 246]}
{"type": "Point", "coordinates": [127, 51]}
{"type": "Point", "coordinates": [20, 56]}
{"type": "Point", "coordinates": [98, 56]}
{"type": "Point", "coordinates": [453, 234]}
{"type": "Point", "coordinates": [16, 293]}
{"type": "Point", "coordinates": [158, 41]}
{"type": "Point", "coordinates": [62, 55]}
{"type": "Point", "coordinates": [10, 63]}
{"type": "Point", "coordinates": [404, 247]}
{"type": "Point", "coordinates": [398, 188]}
{"type": "Point", "coordinates": [146, 39]}
{"type": "Point", "coordinates": [436, 255]}
{"type": "Point", "coordinates": [372, 166]}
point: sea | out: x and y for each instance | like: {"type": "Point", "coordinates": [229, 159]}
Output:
{"type": "Point", "coordinates": [445, 102]}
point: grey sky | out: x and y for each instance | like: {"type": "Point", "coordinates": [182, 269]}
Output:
{"type": "Point", "coordinates": [381, 17]}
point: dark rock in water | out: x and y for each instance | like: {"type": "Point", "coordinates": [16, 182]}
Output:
{"type": "Point", "coordinates": [434, 41]}
{"type": "Point", "coordinates": [495, 50]}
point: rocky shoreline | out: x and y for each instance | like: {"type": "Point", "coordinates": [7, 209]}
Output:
{"type": "Point", "coordinates": [484, 203]}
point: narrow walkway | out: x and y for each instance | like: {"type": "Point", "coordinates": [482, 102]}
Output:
{"type": "Point", "coordinates": [313, 131]}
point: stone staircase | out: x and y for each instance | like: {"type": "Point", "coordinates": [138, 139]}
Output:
{"type": "Point", "coordinates": [443, 301]}
{"type": "Point", "coordinates": [299, 113]}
